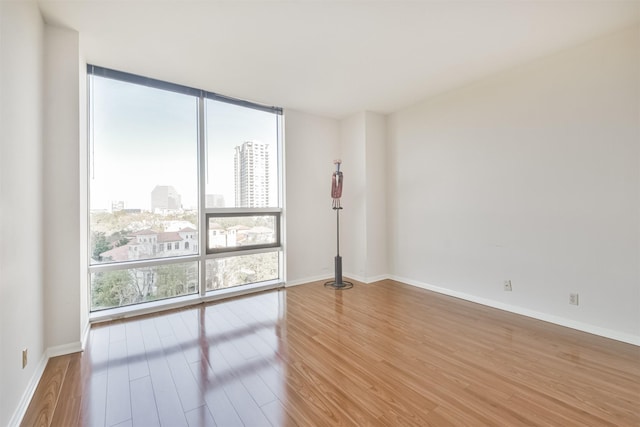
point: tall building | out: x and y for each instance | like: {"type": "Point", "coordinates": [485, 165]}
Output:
{"type": "Point", "coordinates": [165, 198]}
{"type": "Point", "coordinates": [214, 201]}
{"type": "Point", "coordinates": [117, 206]}
{"type": "Point", "coordinates": [251, 167]}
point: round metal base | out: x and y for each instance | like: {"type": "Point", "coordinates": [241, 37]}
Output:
{"type": "Point", "coordinates": [338, 286]}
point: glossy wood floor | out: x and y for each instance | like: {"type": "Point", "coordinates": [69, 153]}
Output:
{"type": "Point", "coordinates": [380, 354]}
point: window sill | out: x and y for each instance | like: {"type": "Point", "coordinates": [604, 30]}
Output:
{"type": "Point", "coordinates": [179, 302]}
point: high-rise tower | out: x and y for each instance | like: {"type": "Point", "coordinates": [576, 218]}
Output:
{"type": "Point", "coordinates": [165, 198]}
{"type": "Point", "coordinates": [251, 167]}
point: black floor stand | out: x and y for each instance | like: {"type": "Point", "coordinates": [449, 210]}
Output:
{"type": "Point", "coordinates": [338, 283]}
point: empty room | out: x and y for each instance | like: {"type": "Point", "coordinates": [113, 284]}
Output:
{"type": "Point", "coordinates": [316, 213]}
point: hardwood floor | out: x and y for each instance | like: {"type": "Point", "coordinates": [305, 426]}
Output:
{"type": "Point", "coordinates": [380, 354]}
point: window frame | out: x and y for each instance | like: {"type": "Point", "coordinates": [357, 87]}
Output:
{"type": "Point", "coordinates": [244, 248]}
{"type": "Point", "coordinates": [201, 242]}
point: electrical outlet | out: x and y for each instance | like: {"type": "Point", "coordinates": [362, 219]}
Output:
{"type": "Point", "coordinates": [24, 358]}
{"type": "Point", "coordinates": [573, 299]}
{"type": "Point", "coordinates": [507, 285]}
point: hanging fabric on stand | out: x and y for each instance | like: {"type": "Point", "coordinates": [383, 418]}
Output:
{"type": "Point", "coordinates": [336, 194]}
{"type": "Point", "coordinates": [336, 185]}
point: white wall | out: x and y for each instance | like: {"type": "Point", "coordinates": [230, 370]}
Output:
{"type": "Point", "coordinates": [376, 267]}
{"type": "Point", "coordinates": [312, 143]}
{"type": "Point", "coordinates": [363, 220]}
{"type": "Point", "coordinates": [21, 258]}
{"type": "Point", "coordinates": [531, 175]}
{"type": "Point", "coordinates": [353, 217]}
{"type": "Point", "coordinates": [62, 191]}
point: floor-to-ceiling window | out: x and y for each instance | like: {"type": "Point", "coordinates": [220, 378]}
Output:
{"type": "Point", "coordinates": [184, 191]}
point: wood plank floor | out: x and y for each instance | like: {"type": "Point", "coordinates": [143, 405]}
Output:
{"type": "Point", "coordinates": [384, 354]}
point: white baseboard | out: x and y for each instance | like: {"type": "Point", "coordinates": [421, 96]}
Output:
{"type": "Point", "coordinates": [85, 335]}
{"type": "Point", "coordinates": [347, 276]}
{"type": "Point", "coordinates": [50, 352]}
{"type": "Point", "coordinates": [376, 278]}
{"type": "Point", "coordinates": [561, 321]}
{"type": "Point", "coordinates": [61, 350]}
{"type": "Point", "coordinates": [355, 277]}
{"type": "Point", "coordinates": [18, 414]}
{"type": "Point", "coordinates": [306, 280]}
{"type": "Point", "coordinates": [366, 280]}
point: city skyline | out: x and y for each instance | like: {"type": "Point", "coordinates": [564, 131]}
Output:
{"type": "Point", "coordinates": [251, 184]}
{"type": "Point", "coordinates": [142, 137]}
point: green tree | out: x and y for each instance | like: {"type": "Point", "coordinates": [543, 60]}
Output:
{"type": "Point", "coordinates": [120, 238]}
{"type": "Point", "coordinates": [113, 289]}
{"type": "Point", "coordinates": [100, 245]}
{"type": "Point", "coordinates": [173, 279]}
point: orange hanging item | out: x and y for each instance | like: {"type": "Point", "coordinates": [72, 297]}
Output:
{"type": "Point", "coordinates": [336, 185]}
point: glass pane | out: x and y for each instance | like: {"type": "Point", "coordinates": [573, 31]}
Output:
{"type": "Point", "coordinates": [241, 270]}
{"type": "Point", "coordinates": [239, 231]}
{"type": "Point", "coordinates": [242, 161]}
{"type": "Point", "coordinates": [144, 179]}
{"type": "Point", "coordinates": [118, 288]}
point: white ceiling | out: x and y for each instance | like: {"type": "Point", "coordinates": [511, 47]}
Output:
{"type": "Point", "coordinates": [332, 58]}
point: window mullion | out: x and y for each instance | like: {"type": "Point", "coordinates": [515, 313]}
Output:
{"type": "Point", "coordinates": [202, 171]}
